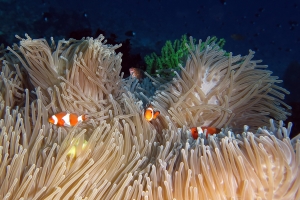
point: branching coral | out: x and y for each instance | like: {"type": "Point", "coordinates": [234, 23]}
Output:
{"type": "Point", "coordinates": [118, 154]}
{"type": "Point", "coordinates": [172, 55]}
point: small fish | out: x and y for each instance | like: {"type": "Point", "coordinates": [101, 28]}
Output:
{"type": "Point", "coordinates": [66, 119]}
{"type": "Point", "coordinates": [209, 131]}
{"type": "Point", "coordinates": [136, 73]}
{"type": "Point", "coordinates": [150, 113]}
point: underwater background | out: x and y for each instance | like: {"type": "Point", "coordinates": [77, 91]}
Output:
{"type": "Point", "coordinates": [270, 28]}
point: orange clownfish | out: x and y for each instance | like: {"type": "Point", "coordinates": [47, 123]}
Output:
{"type": "Point", "coordinates": [66, 119]}
{"type": "Point", "coordinates": [209, 131]}
{"type": "Point", "coordinates": [136, 73]}
{"type": "Point", "coordinates": [150, 113]}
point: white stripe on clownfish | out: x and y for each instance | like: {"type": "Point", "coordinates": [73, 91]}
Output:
{"type": "Point", "coordinates": [66, 119]}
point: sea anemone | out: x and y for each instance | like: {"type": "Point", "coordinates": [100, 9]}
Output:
{"type": "Point", "coordinates": [117, 154]}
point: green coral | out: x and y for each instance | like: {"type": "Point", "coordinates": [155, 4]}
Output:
{"type": "Point", "coordinates": [172, 55]}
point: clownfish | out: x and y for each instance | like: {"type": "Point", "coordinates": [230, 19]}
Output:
{"type": "Point", "coordinates": [136, 73]}
{"type": "Point", "coordinates": [66, 119]}
{"type": "Point", "coordinates": [150, 113]}
{"type": "Point", "coordinates": [209, 131]}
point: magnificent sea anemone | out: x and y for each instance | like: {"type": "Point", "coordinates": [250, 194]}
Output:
{"type": "Point", "coordinates": [117, 154]}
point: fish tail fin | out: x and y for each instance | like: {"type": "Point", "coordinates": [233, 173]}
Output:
{"type": "Point", "coordinates": [85, 117]}
{"type": "Point", "coordinates": [156, 114]}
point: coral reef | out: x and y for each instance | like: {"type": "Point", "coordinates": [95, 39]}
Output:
{"type": "Point", "coordinates": [117, 154]}
{"type": "Point", "coordinates": [172, 55]}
